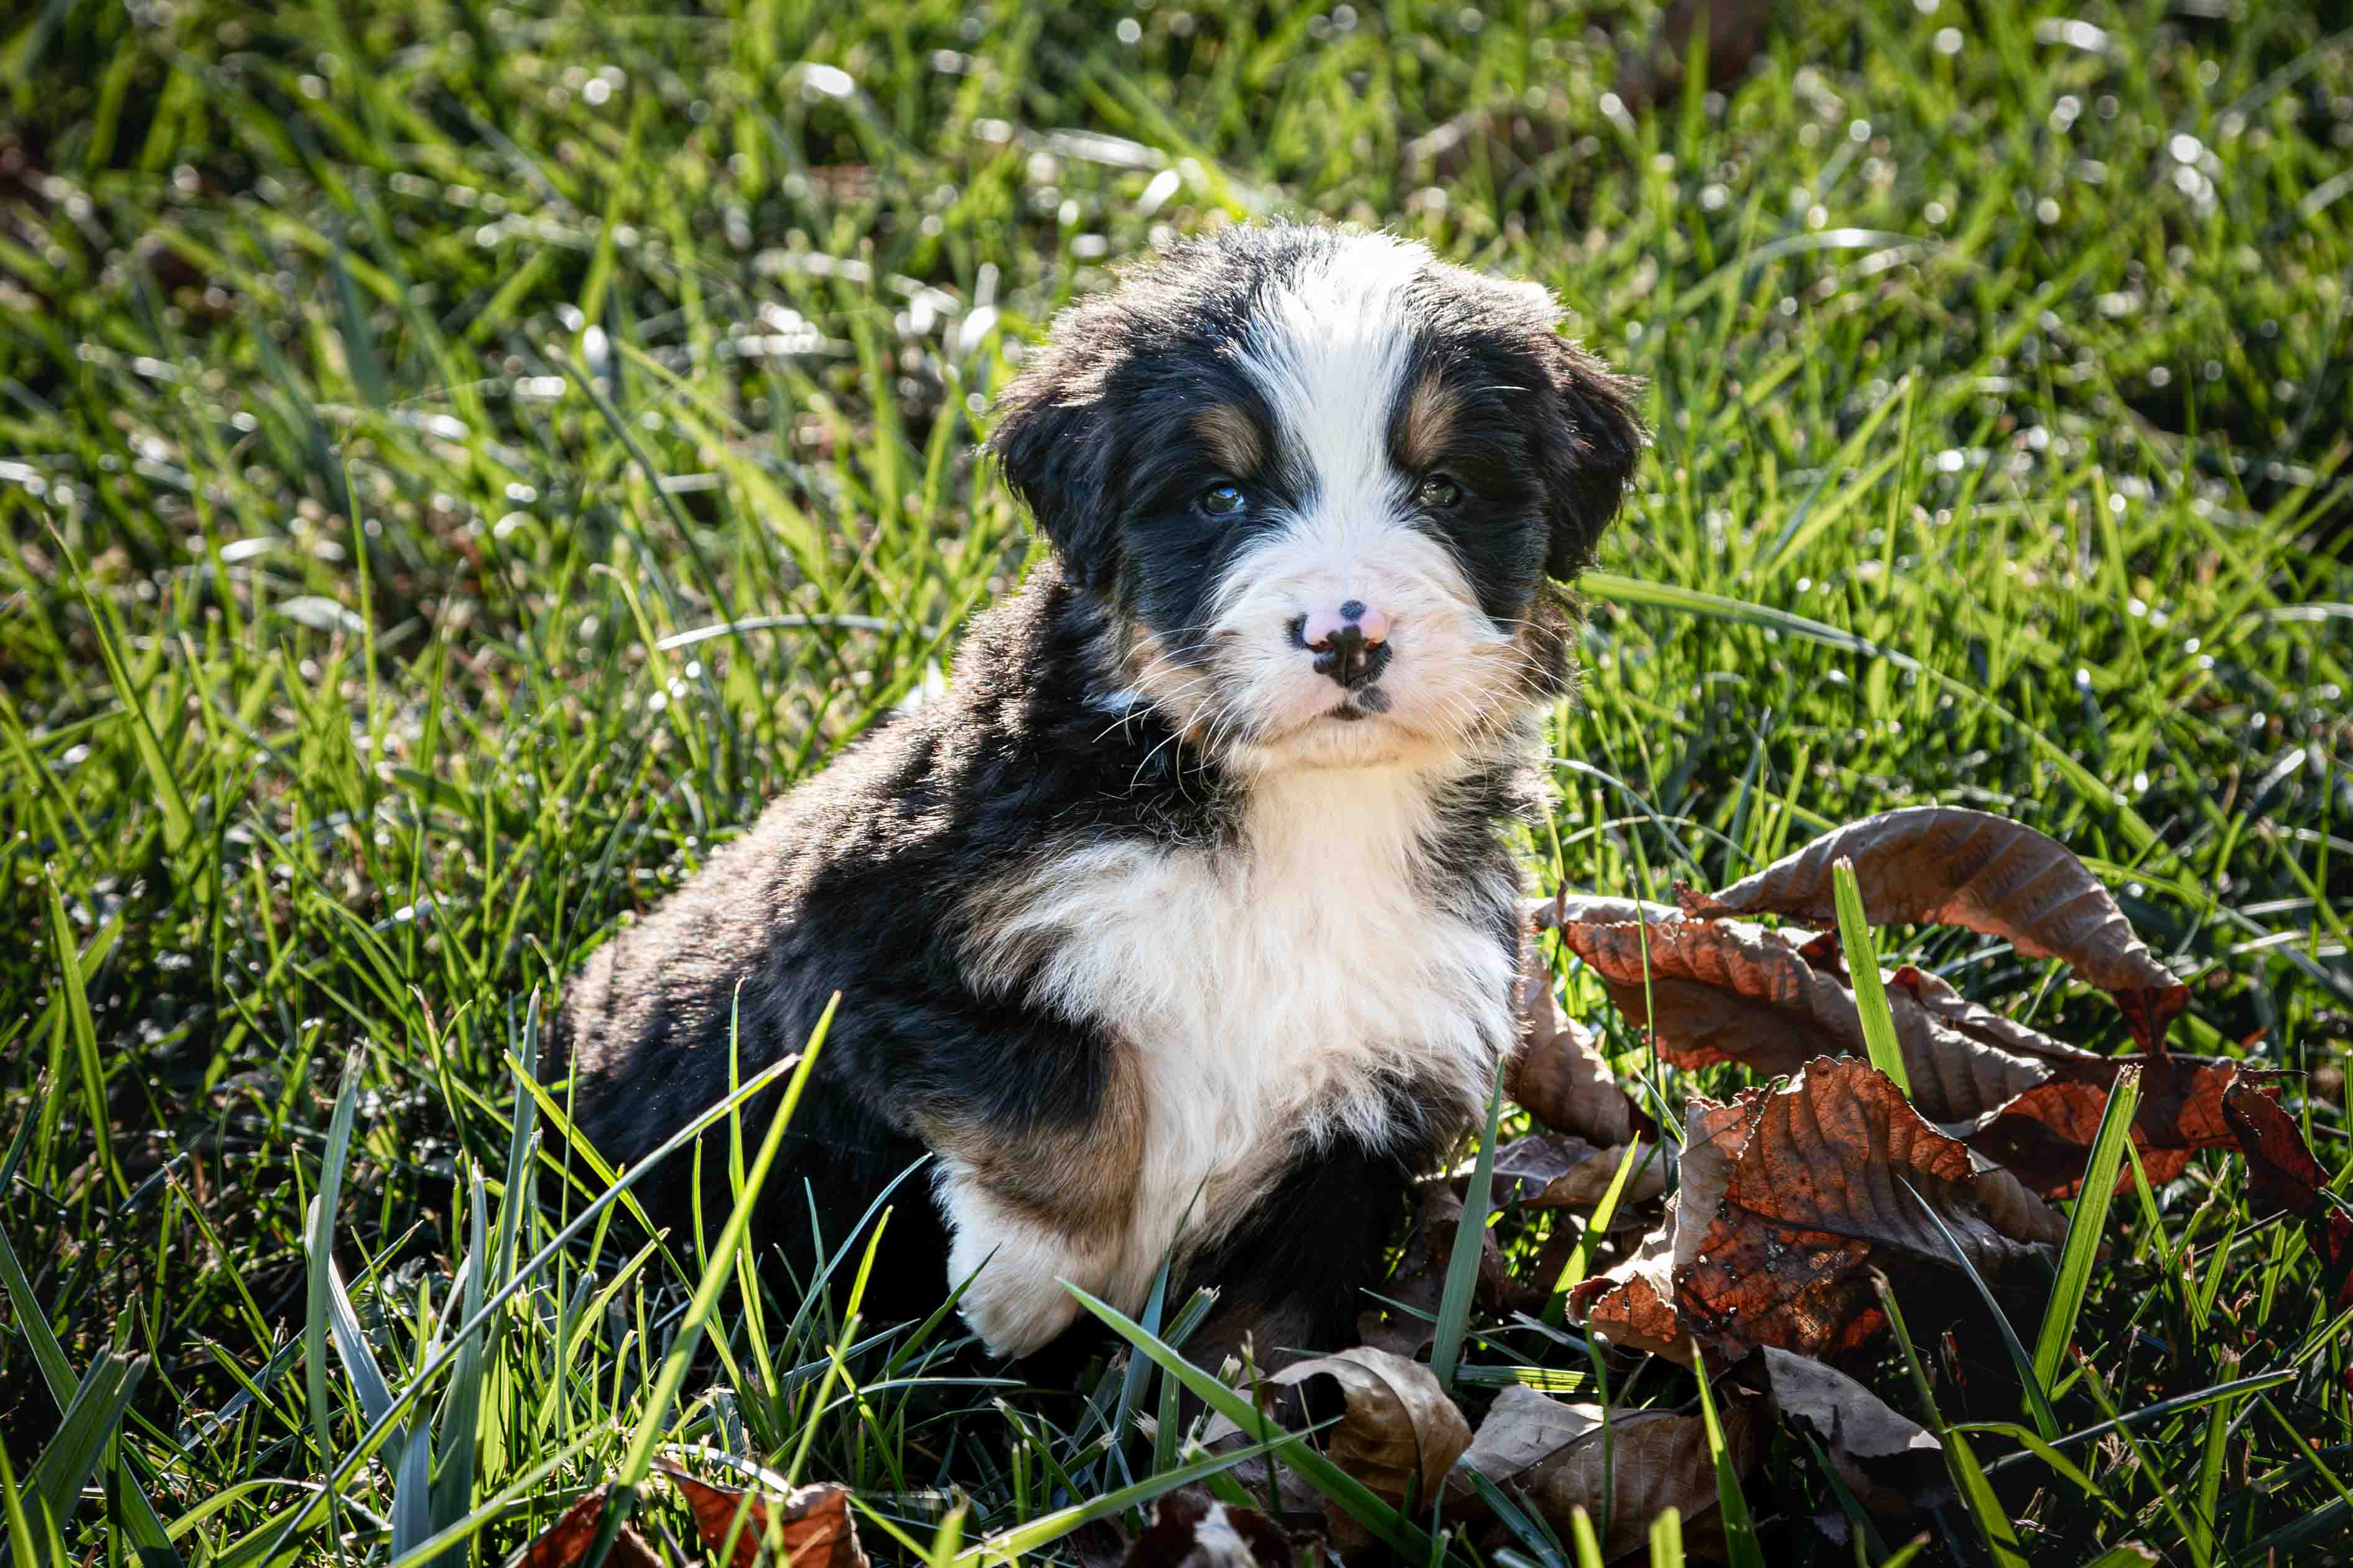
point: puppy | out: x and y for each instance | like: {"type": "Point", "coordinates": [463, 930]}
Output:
{"type": "Point", "coordinates": [1184, 927]}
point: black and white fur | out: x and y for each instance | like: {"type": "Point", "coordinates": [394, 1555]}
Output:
{"type": "Point", "coordinates": [1185, 922]}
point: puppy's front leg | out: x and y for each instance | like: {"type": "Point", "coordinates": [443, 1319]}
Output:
{"type": "Point", "coordinates": [1029, 1209]}
{"type": "Point", "coordinates": [1016, 1256]}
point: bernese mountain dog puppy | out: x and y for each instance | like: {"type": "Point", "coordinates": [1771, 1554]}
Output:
{"type": "Point", "coordinates": [1183, 926]}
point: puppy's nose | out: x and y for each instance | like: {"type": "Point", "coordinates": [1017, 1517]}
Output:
{"type": "Point", "coordinates": [1350, 641]}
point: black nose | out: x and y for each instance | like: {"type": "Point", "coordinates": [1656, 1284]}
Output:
{"type": "Point", "coordinates": [1348, 658]}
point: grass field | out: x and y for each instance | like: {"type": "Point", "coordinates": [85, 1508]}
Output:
{"type": "Point", "coordinates": [458, 461]}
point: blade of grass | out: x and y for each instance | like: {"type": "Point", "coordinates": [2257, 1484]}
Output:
{"type": "Point", "coordinates": [1580, 1256]}
{"type": "Point", "coordinates": [1862, 965]}
{"type": "Point", "coordinates": [2081, 1249]}
{"type": "Point", "coordinates": [1469, 1243]}
{"type": "Point", "coordinates": [2038, 1403]}
{"type": "Point", "coordinates": [1732, 1505]}
{"type": "Point", "coordinates": [57, 1476]}
{"type": "Point", "coordinates": [637, 1462]}
{"type": "Point", "coordinates": [83, 1031]}
{"type": "Point", "coordinates": [1999, 1535]}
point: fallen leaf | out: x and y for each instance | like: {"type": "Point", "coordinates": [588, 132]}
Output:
{"type": "Point", "coordinates": [2044, 1135]}
{"type": "Point", "coordinates": [1557, 1170]}
{"type": "Point", "coordinates": [813, 1523]}
{"type": "Point", "coordinates": [1398, 1436]}
{"type": "Point", "coordinates": [1191, 1529]}
{"type": "Point", "coordinates": [1653, 1461]}
{"type": "Point", "coordinates": [1817, 1198]}
{"type": "Point", "coordinates": [1559, 1075]}
{"type": "Point", "coordinates": [1944, 866]}
{"type": "Point", "coordinates": [1893, 1465]}
{"type": "Point", "coordinates": [2283, 1177]}
{"type": "Point", "coordinates": [1725, 990]}
{"type": "Point", "coordinates": [1712, 992]}
{"type": "Point", "coordinates": [1790, 1198]}
{"type": "Point", "coordinates": [566, 1542]}
{"type": "Point", "coordinates": [1522, 1428]}
{"type": "Point", "coordinates": [1632, 1304]}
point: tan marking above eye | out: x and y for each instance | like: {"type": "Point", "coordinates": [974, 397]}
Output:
{"type": "Point", "coordinates": [1427, 421]}
{"type": "Point", "coordinates": [1232, 435]}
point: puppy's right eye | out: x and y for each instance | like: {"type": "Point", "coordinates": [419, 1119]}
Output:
{"type": "Point", "coordinates": [1222, 500]}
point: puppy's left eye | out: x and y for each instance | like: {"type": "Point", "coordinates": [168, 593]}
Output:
{"type": "Point", "coordinates": [1437, 493]}
{"type": "Point", "coordinates": [1223, 500]}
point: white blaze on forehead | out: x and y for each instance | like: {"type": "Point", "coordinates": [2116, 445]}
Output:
{"type": "Point", "coordinates": [1330, 347]}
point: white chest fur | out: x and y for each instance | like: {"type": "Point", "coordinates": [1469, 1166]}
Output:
{"type": "Point", "coordinates": [1268, 992]}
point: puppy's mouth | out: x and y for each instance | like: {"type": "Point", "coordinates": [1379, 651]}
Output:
{"type": "Point", "coordinates": [1358, 706]}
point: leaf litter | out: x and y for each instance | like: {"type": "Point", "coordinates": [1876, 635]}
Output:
{"type": "Point", "coordinates": [1773, 1219]}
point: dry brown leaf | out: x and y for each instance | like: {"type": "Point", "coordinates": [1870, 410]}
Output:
{"type": "Point", "coordinates": [1522, 1430]}
{"type": "Point", "coordinates": [1191, 1529]}
{"type": "Point", "coordinates": [1728, 990]}
{"type": "Point", "coordinates": [1656, 1461]}
{"type": "Point", "coordinates": [1893, 1465]}
{"type": "Point", "coordinates": [1559, 1075]}
{"type": "Point", "coordinates": [566, 1542]}
{"type": "Point", "coordinates": [1632, 1304]}
{"type": "Point", "coordinates": [1818, 1197]}
{"type": "Point", "coordinates": [1555, 1169]}
{"type": "Point", "coordinates": [1399, 1437]}
{"type": "Point", "coordinates": [1731, 990]}
{"type": "Point", "coordinates": [1548, 1453]}
{"type": "Point", "coordinates": [1788, 1199]}
{"type": "Point", "coordinates": [1944, 866]}
{"type": "Point", "coordinates": [2044, 1135]}
{"type": "Point", "coordinates": [813, 1523]}
{"type": "Point", "coordinates": [2284, 1177]}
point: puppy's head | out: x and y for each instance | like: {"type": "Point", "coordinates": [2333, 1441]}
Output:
{"type": "Point", "coordinates": [1320, 479]}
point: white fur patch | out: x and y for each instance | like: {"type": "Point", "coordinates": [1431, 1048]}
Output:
{"type": "Point", "coordinates": [1330, 350]}
{"type": "Point", "coordinates": [1268, 992]}
{"type": "Point", "coordinates": [1015, 1302]}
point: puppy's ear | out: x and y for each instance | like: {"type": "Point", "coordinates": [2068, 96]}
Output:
{"type": "Point", "coordinates": [1054, 442]}
{"type": "Point", "coordinates": [1588, 445]}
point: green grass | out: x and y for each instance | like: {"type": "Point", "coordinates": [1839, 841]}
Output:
{"type": "Point", "coordinates": [456, 462]}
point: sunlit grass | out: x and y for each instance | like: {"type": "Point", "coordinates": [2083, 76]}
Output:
{"type": "Point", "coordinates": [457, 462]}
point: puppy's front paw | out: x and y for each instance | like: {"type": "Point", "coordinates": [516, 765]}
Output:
{"type": "Point", "coordinates": [1016, 1302]}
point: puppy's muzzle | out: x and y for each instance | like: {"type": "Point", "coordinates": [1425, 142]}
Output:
{"type": "Point", "coordinates": [1350, 642]}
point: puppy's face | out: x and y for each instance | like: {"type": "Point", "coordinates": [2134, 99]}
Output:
{"type": "Point", "coordinates": [1320, 479]}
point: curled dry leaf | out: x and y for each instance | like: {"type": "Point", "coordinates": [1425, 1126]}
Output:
{"type": "Point", "coordinates": [1653, 1461]}
{"type": "Point", "coordinates": [1400, 1435]}
{"type": "Point", "coordinates": [1944, 866]}
{"type": "Point", "coordinates": [1632, 1304]}
{"type": "Point", "coordinates": [1892, 1465]}
{"type": "Point", "coordinates": [1728, 990]}
{"type": "Point", "coordinates": [1818, 1197]}
{"type": "Point", "coordinates": [1191, 1529]}
{"type": "Point", "coordinates": [566, 1542]}
{"type": "Point", "coordinates": [1559, 1075]}
{"type": "Point", "coordinates": [2044, 1135]}
{"type": "Point", "coordinates": [1522, 1428]}
{"type": "Point", "coordinates": [1555, 1169]}
{"type": "Point", "coordinates": [2284, 1177]}
{"type": "Point", "coordinates": [1791, 1198]}
{"type": "Point", "coordinates": [812, 1523]}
